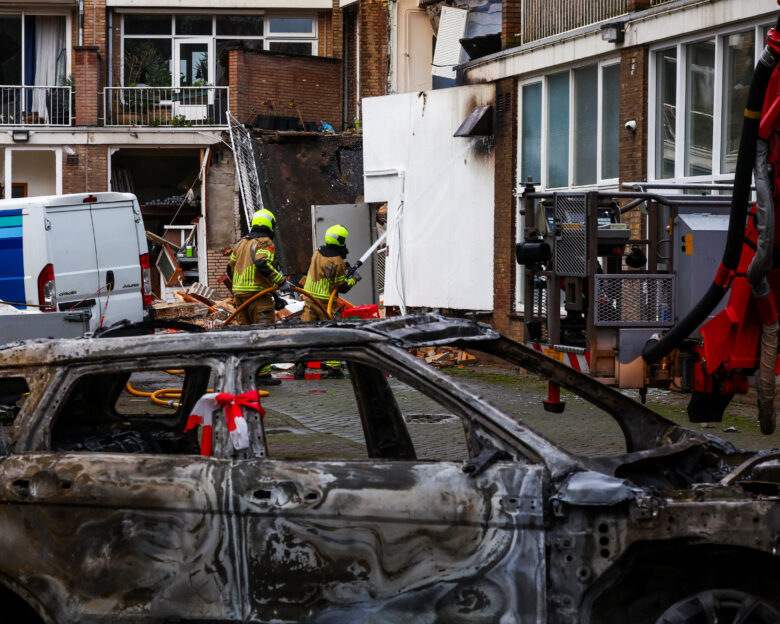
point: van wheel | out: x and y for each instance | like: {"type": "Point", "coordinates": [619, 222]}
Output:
{"type": "Point", "coordinates": [720, 606]}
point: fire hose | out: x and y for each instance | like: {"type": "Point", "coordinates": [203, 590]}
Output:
{"type": "Point", "coordinates": [166, 396]}
{"type": "Point", "coordinates": [327, 311]}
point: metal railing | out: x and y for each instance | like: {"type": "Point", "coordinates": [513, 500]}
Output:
{"type": "Point", "coordinates": [170, 107]}
{"type": "Point", "coordinates": [35, 106]}
{"type": "Point", "coordinates": [544, 18]}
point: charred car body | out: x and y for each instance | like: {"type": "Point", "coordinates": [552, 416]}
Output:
{"type": "Point", "coordinates": [110, 515]}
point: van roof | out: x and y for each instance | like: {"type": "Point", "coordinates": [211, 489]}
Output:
{"type": "Point", "coordinates": [64, 200]}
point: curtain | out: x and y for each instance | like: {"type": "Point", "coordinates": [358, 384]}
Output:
{"type": "Point", "coordinates": [49, 45]}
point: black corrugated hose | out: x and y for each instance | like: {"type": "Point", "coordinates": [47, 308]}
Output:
{"type": "Point", "coordinates": [654, 350]}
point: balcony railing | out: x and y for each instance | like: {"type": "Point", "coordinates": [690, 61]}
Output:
{"type": "Point", "coordinates": [170, 107]}
{"type": "Point", "coordinates": [35, 106]}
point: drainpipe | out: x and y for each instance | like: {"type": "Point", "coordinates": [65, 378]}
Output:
{"type": "Point", "coordinates": [80, 20]}
{"type": "Point", "coordinates": [110, 51]}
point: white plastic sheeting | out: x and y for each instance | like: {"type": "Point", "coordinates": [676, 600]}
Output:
{"type": "Point", "coordinates": [440, 195]}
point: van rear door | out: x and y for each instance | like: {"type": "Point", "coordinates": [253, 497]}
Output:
{"type": "Point", "coordinates": [118, 256]}
{"type": "Point", "coordinates": [72, 245]}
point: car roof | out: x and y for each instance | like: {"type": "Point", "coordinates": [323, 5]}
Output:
{"type": "Point", "coordinates": [67, 350]}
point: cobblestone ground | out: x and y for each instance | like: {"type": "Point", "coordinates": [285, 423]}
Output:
{"type": "Point", "coordinates": [319, 419]}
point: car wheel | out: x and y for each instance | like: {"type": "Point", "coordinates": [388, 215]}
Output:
{"type": "Point", "coordinates": [720, 606]}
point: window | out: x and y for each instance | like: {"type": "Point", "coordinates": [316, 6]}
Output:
{"type": "Point", "coordinates": [558, 129]}
{"type": "Point", "coordinates": [13, 393]}
{"type": "Point", "coordinates": [114, 412]}
{"type": "Point", "coordinates": [531, 163]}
{"type": "Point", "coordinates": [366, 415]}
{"type": "Point", "coordinates": [154, 44]}
{"type": "Point", "coordinates": [708, 79]}
{"type": "Point", "coordinates": [666, 112]}
{"type": "Point", "coordinates": [34, 53]}
{"type": "Point", "coordinates": [570, 123]}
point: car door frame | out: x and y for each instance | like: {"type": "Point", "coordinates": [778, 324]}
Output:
{"type": "Point", "coordinates": [276, 500]}
{"type": "Point", "coordinates": [134, 498]}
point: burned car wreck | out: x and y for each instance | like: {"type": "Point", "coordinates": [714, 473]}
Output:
{"type": "Point", "coordinates": [109, 514]}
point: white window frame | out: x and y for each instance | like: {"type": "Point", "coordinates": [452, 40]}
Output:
{"type": "Point", "coordinates": [267, 36]}
{"type": "Point", "coordinates": [681, 45]}
{"type": "Point", "coordinates": [543, 79]}
{"type": "Point", "coordinates": [601, 183]}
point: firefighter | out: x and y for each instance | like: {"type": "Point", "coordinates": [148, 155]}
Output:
{"type": "Point", "coordinates": [327, 272]}
{"type": "Point", "coordinates": [253, 268]}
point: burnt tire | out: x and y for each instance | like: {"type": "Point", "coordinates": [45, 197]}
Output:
{"type": "Point", "coordinates": [720, 606]}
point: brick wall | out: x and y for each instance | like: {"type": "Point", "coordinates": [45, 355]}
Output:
{"type": "Point", "coordinates": [335, 34]}
{"type": "Point", "coordinates": [86, 71]}
{"type": "Point", "coordinates": [505, 214]}
{"type": "Point", "coordinates": [313, 82]}
{"type": "Point", "coordinates": [511, 23]}
{"type": "Point", "coordinates": [86, 170]}
{"type": "Point", "coordinates": [96, 34]}
{"type": "Point", "coordinates": [374, 26]}
{"type": "Point", "coordinates": [216, 269]}
{"type": "Point", "coordinates": [633, 105]}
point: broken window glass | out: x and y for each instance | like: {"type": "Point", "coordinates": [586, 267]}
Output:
{"type": "Point", "coordinates": [122, 412]}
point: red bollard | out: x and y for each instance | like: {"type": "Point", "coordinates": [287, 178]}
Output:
{"type": "Point", "coordinates": [553, 401]}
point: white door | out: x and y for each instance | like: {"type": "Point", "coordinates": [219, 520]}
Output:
{"type": "Point", "coordinates": [192, 73]}
{"type": "Point", "coordinates": [72, 245]}
{"type": "Point", "coordinates": [118, 262]}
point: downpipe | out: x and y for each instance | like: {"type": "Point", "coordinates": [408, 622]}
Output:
{"type": "Point", "coordinates": [762, 293]}
{"type": "Point", "coordinates": [655, 350]}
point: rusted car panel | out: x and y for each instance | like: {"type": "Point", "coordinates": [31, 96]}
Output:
{"type": "Point", "coordinates": [522, 531]}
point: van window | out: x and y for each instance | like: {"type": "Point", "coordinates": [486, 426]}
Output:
{"type": "Point", "coordinates": [102, 414]}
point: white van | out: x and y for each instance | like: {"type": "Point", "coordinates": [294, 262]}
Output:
{"type": "Point", "coordinates": [76, 253]}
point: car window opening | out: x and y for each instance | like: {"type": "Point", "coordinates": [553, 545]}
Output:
{"type": "Point", "coordinates": [361, 412]}
{"type": "Point", "coordinates": [124, 412]}
{"type": "Point", "coordinates": [13, 393]}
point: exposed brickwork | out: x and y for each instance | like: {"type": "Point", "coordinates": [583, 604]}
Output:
{"type": "Point", "coordinates": [216, 269]}
{"type": "Point", "coordinates": [633, 105]}
{"type": "Point", "coordinates": [505, 215]}
{"type": "Point", "coordinates": [313, 82]}
{"type": "Point", "coordinates": [336, 32]}
{"type": "Point", "coordinates": [96, 33]}
{"type": "Point", "coordinates": [511, 23]}
{"type": "Point", "coordinates": [90, 175]}
{"type": "Point", "coordinates": [374, 26]}
{"type": "Point", "coordinates": [86, 71]}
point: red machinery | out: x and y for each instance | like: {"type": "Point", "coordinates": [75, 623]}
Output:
{"type": "Point", "coordinates": [742, 338]}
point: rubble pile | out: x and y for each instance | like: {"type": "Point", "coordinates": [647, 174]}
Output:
{"type": "Point", "coordinates": [444, 356]}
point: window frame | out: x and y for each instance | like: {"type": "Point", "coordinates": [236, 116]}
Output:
{"type": "Point", "coordinates": [544, 80]}
{"type": "Point", "coordinates": [267, 37]}
{"type": "Point", "coordinates": [46, 13]}
{"type": "Point", "coordinates": [601, 183]}
{"type": "Point", "coordinates": [720, 36]}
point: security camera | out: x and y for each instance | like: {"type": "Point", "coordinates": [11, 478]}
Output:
{"type": "Point", "coordinates": [631, 125]}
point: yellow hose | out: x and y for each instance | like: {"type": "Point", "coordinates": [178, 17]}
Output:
{"type": "Point", "coordinates": [159, 396]}
{"type": "Point", "coordinates": [247, 302]}
{"type": "Point", "coordinates": [333, 294]}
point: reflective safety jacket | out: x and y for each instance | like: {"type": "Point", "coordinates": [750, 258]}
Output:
{"type": "Point", "coordinates": [254, 265]}
{"type": "Point", "coordinates": [326, 272]}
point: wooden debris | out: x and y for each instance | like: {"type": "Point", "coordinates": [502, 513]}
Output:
{"type": "Point", "coordinates": [444, 356]}
{"type": "Point", "coordinates": [180, 311]}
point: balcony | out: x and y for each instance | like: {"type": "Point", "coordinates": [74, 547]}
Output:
{"type": "Point", "coordinates": [167, 107]}
{"type": "Point", "coordinates": [35, 106]}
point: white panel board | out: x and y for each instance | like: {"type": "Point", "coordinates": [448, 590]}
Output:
{"type": "Point", "coordinates": [441, 253]}
{"type": "Point", "coordinates": [452, 27]}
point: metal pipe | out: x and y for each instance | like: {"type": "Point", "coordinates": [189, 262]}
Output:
{"type": "Point", "coordinates": [671, 185]}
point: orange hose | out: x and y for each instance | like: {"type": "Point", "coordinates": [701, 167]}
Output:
{"type": "Point", "coordinates": [247, 302]}
{"type": "Point", "coordinates": [333, 294]}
